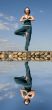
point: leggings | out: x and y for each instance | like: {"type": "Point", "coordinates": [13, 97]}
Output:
{"type": "Point", "coordinates": [21, 80]}
{"type": "Point", "coordinates": [22, 31]}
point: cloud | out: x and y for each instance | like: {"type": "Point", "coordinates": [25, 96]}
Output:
{"type": "Point", "coordinates": [3, 27]}
{"type": "Point", "coordinates": [7, 90]}
{"type": "Point", "coordinates": [8, 95]}
{"type": "Point", "coordinates": [1, 98]}
{"type": "Point", "coordinates": [7, 45]}
{"type": "Point", "coordinates": [8, 22]}
{"type": "Point", "coordinates": [7, 86]}
{"type": "Point", "coordinates": [8, 26]}
{"type": "Point", "coordinates": [2, 86]}
{"type": "Point", "coordinates": [3, 40]}
{"type": "Point", "coordinates": [1, 14]}
{"type": "Point", "coordinates": [10, 18]}
{"type": "Point", "coordinates": [41, 11]}
{"type": "Point", "coordinates": [11, 95]}
{"type": "Point", "coordinates": [5, 23]}
{"type": "Point", "coordinates": [16, 25]}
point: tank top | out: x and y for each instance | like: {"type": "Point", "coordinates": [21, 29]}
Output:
{"type": "Point", "coordinates": [27, 22]}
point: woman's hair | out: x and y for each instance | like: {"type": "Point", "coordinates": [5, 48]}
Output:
{"type": "Point", "coordinates": [28, 9]}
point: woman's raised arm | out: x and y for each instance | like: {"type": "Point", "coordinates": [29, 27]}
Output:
{"type": "Point", "coordinates": [22, 18]}
{"type": "Point", "coordinates": [32, 18]}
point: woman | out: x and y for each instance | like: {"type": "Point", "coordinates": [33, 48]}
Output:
{"type": "Point", "coordinates": [26, 29]}
{"type": "Point", "coordinates": [26, 92]}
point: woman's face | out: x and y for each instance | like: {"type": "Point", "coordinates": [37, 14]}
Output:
{"type": "Point", "coordinates": [27, 11]}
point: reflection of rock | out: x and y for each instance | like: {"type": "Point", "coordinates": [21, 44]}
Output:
{"type": "Point", "coordinates": [22, 55]}
{"type": "Point", "coordinates": [1, 55]}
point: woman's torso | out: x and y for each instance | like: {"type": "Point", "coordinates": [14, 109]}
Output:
{"type": "Point", "coordinates": [27, 24]}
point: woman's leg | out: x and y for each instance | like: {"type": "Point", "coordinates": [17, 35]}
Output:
{"type": "Point", "coordinates": [28, 73]}
{"type": "Point", "coordinates": [20, 31]}
{"type": "Point", "coordinates": [28, 38]}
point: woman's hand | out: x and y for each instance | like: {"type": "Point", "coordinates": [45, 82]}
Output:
{"type": "Point", "coordinates": [32, 18]}
{"type": "Point", "coordinates": [23, 18]}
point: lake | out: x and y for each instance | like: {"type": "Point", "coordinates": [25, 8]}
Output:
{"type": "Point", "coordinates": [41, 84]}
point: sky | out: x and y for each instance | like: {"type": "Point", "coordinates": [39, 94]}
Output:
{"type": "Point", "coordinates": [10, 13]}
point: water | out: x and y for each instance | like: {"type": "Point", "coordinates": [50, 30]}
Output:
{"type": "Point", "coordinates": [10, 97]}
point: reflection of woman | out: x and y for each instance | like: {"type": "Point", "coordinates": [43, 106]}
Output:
{"type": "Point", "coordinates": [26, 81]}
{"type": "Point", "coordinates": [26, 28]}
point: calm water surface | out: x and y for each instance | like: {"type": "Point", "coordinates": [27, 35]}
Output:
{"type": "Point", "coordinates": [41, 83]}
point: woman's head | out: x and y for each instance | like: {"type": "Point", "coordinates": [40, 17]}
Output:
{"type": "Point", "coordinates": [26, 101]}
{"type": "Point", "coordinates": [27, 11]}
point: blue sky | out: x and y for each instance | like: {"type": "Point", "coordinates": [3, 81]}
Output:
{"type": "Point", "coordinates": [10, 13]}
